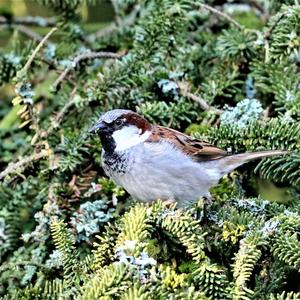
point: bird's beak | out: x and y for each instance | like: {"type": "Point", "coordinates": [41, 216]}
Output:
{"type": "Point", "coordinates": [100, 126]}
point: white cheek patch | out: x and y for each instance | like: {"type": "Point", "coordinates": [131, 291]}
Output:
{"type": "Point", "coordinates": [129, 136]}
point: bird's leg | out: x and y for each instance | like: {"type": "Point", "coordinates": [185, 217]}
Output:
{"type": "Point", "coordinates": [169, 202]}
{"type": "Point", "coordinates": [203, 203]}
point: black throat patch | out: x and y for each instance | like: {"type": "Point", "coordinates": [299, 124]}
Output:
{"type": "Point", "coordinates": [115, 163]}
{"type": "Point", "coordinates": [107, 142]}
{"type": "Point", "coordinates": [112, 160]}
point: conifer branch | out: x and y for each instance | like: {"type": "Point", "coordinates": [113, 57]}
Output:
{"type": "Point", "coordinates": [22, 264]}
{"type": "Point", "coordinates": [233, 248]}
{"type": "Point", "coordinates": [267, 36]}
{"type": "Point", "coordinates": [268, 33]}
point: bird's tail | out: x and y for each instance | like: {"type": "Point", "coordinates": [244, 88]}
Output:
{"type": "Point", "coordinates": [231, 162]}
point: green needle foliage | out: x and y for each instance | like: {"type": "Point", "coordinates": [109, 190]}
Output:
{"type": "Point", "coordinates": [218, 70]}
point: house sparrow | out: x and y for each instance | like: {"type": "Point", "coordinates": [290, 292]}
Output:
{"type": "Point", "coordinates": [154, 162]}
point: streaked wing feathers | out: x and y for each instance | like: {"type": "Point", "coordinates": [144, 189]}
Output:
{"type": "Point", "coordinates": [198, 150]}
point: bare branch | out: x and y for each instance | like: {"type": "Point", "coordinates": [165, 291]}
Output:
{"type": "Point", "coordinates": [28, 21]}
{"type": "Point", "coordinates": [222, 14]}
{"type": "Point", "coordinates": [85, 56]}
{"type": "Point", "coordinates": [184, 89]}
{"type": "Point", "coordinates": [34, 53]}
{"type": "Point", "coordinates": [12, 168]}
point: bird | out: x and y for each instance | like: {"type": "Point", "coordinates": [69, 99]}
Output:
{"type": "Point", "coordinates": [154, 162]}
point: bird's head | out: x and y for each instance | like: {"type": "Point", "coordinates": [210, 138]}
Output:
{"type": "Point", "coordinates": [120, 129]}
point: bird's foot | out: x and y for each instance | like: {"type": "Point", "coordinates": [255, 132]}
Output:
{"type": "Point", "coordinates": [208, 199]}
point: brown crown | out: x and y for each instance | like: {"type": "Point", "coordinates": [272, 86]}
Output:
{"type": "Point", "coordinates": [138, 121]}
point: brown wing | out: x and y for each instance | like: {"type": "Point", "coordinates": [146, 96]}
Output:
{"type": "Point", "coordinates": [198, 150]}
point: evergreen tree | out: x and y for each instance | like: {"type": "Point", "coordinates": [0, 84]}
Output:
{"type": "Point", "coordinates": [224, 71]}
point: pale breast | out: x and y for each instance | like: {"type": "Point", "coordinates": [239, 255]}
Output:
{"type": "Point", "coordinates": [158, 171]}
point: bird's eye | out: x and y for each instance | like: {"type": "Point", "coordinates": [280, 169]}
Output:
{"type": "Point", "coordinates": [119, 122]}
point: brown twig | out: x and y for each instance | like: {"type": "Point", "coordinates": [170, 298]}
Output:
{"type": "Point", "coordinates": [222, 14]}
{"type": "Point", "coordinates": [85, 56]}
{"type": "Point", "coordinates": [184, 89]}
{"type": "Point", "coordinates": [12, 168]}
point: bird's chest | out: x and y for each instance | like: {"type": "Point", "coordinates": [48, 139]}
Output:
{"type": "Point", "coordinates": [151, 171]}
{"type": "Point", "coordinates": [116, 164]}
{"type": "Point", "coordinates": [130, 169]}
